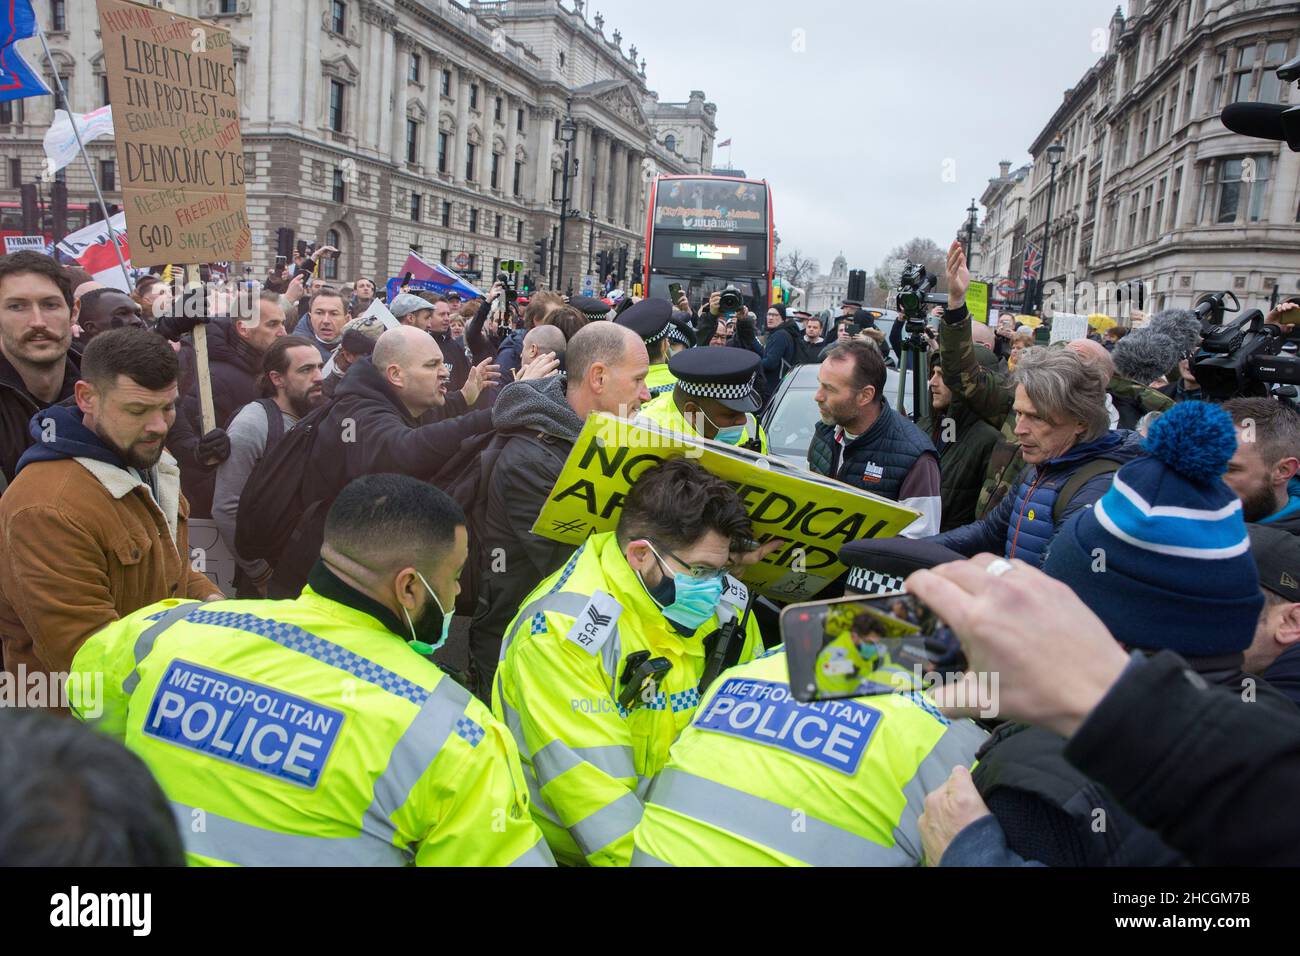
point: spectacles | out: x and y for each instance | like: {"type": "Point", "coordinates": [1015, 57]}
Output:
{"type": "Point", "coordinates": [698, 572]}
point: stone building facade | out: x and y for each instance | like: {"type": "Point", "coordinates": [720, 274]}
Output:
{"type": "Point", "coordinates": [381, 126]}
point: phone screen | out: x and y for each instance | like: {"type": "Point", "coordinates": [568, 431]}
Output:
{"type": "Point", "coordinates": [837, 648]}
{"type": "Point", "coordinates": [675, 292]}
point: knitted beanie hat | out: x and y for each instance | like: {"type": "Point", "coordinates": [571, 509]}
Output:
{"type": "Point", "coordinates": [1163, 558]}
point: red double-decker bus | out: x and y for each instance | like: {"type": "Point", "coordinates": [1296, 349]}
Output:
{"type": "Point", "coordinates": [11, 221]}
{"type": "Point", "coordinates": [710, 232]}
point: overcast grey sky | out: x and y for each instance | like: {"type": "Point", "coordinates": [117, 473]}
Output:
{"type": "Point", "coordinates": [852, 133]}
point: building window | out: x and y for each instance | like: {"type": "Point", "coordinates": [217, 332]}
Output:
{"type": "Point", "coordinates": [15, 173]}
{"type": "Point", "coordinates": [445, 88]}
{"type": "Point", "coordinates": [329, 268]}
{"type": "Point", "coordinates": [1172, 115]}
{"type": "Point", "coordinates": [555, 185]}
{"type": "Point", "coordinates": [473, 262]}
{"type": "Point", "coordinates": [1242, 184]}
{"type": "Point", "coordinates": [1159, 120]}
{"type": "Point", "coordinates": [519, 230]}
{"type": "Point", "coordinates": [1243, 78]}
{"type": "Point", "coordinates": [519, 121]}
{"type": "Point", "coordinates": [1120, 155]}
{"type": "Point", "coordinates": [1132, 221]}
{"type": "Point", "coordinates": [496, 111]}
{"type": "Point", "coordinates": [561, 60]}
{"type": "Point", "coordinates": [519, 178]}
{"type": "Point", "coordinates": [107, 175]}
{"type": "Point", "coordinates": [338, 16]}
{"type": "Point", "coordinates": [670, 143]}
{"type": "Point", "coordinates": [412, 140]}
{"type": "Point", "coordinates": [340, 190]}
{"type": "Point", "coordinates": [1160, 204]}
{"type": "Point", "coordinates": [58, 16]}
{"type": "Point", "coordinates": [496, 170]}
{"type": "Point", "coordinates": [228, 6]}
{"type": "Point", "coordinates": [1145, 233]}
{"type": "Point", "coordinates": [103, 90]}
{"type": "Point", "coordinates": [446, 213]}
{"type": "Point", "coordinates": [1189, 96]}
{"type": "Point", "coordinates": [497, 229]}
{"type": "Point", "coordinates": [337, 91]}
{"type": "Point", "coordinates": [7, 112]}
{"type": "Point", "coordinates": [1270, 88]}
{"type": "Point", "coordinates": [1220, 79]}
{"type": "Point", "coordinates": [415, 206]}
{"type": "Point", "coordinates": [1142, 134]}
{"type": "Point", "coordinates": [473, 220]}
{"type": "Point", "coordinates": [471, 160]}
{"type": "Point", "coordinates": [1175, 197]}
{"type": "Point", "coordinates": [556, 136]}
{"type": "Point", "coordinates": [442, 152]}
{"type": "Point", "coordinates": [473, 96]}
{"type": "Point", "coordinates": [445, 257]}
{"type": "Point", "coordinates": [413, 74]}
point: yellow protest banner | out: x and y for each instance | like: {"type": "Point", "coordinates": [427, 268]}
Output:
{"type": "Point", "coordinates": [180, 156]}
{"type": "Point", "coordinates": [977, 301]}
{"type": "Point", "coordinates": [812, 514]}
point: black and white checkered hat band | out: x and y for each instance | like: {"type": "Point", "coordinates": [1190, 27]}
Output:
{"type": "Point", "coordinates": [872, 582]}
{"type": "Point", "coordinates": [658, 335]}
{"type": "Point", "coordinates": [716, 390]}
{"type": "Point", "coordinates": [678, 335]}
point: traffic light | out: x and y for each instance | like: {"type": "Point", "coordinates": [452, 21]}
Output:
{"type": "Point", "coordinates": [539, 254]}
{"type": "Point", "coordinates": [59, 207]}
{"type": "Point", "coordinates": [621, 274]}
{"type": "Point", "coordinates": [638, 269]}
{"type": "Point", "coordinates": [527, 287]}
{"type": "Point", "coordinates": [31, 211]}
{"type": "Point", "coordinates": [602, 265]}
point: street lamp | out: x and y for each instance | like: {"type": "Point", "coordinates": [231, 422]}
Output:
{"type": "Point", "coordinates": [1054, 154]}
{"type": "Point", "coordinates": [568, 133]}
{"type": "Point", "coordinates": [591, 242]}
{"type": "Point", "coordinates": [970, 231]}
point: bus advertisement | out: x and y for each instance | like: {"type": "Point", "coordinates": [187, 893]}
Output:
{"type": "Point", "coordinates": [709, 232]}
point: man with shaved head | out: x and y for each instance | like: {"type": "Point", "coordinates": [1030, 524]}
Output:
{"type": "Point", "coordinates": [537, 423]}
{"type": "Point", "coordinates": [392, 413]}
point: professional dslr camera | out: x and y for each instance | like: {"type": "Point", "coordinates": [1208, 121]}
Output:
{"type": "Point", "coordinates": [914, 295]}
{"type": "Point", "coordinates": [1241, 358]}
{"type": "Point", "coordinates": [730, 301]}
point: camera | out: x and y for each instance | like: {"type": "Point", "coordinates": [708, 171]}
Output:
{"type": "Point", "coordinates": [730, 301]}
{"type": "Point", "coordinates": [914, 294]}
{"type": "Point", "coordinates": [1241, 358]}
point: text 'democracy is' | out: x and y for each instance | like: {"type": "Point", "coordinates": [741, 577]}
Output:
{"type": "Point", "coordinates": [180, 156]}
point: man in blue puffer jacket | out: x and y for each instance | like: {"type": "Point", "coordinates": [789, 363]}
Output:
{"type": "Point", "coordinates": [1062, 424]}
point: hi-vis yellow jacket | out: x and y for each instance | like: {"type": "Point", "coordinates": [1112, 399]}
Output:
{"type": "Point", "coordinates": [586, 758]}
{"type": "Point", "coordinates": [304, 733]}
{"type": "Point", "coordinates": [759, 779]}
{"type": "Point", "coordinates": [660, 380]}
{"type": "Point", "coordinates": [663, 412]}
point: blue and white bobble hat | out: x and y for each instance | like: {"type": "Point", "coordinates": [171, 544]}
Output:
{"type": "Point", "coordinates": [1163, 558]}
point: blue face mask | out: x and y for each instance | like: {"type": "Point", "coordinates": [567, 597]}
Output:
{"type": "Point", "coordinates": [734, 435]}
{"type": "Point", "coordinates": [429, 623]}
{"type": "Point", "coordinates": [691, 601]}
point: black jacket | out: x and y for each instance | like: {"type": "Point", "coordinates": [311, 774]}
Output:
{"type": "Point", "coordinates": [453, 353]}
{"type": "Point", "coordinates": [1197, 765]}
{"type": "Point", "coordinates": [17, 406]}
{"type": "Point", "coordinates": [368, 432]}
{"type": "Point", "coordinates": [962, 461]}
{"type": "Point", "coordinates": [481, 345]}
{"type": "Point", "coordinates": [537, 428]}
{"type": "Point", "coordinates": [234, 366]}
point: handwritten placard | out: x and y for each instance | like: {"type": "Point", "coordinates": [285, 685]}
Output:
{"type": "Point", "coordinates": [180, 156]}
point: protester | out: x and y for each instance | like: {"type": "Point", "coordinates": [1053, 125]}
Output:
{"type": "Point", "coordinates": [1063, 429]}
{"type": "Point", "coordinates": [363, 295]}
{"type": "Point", "coordinates": [1263, 470]}
{"type": "Point", "coordinates": [1140, 359]}
{"type": "Point", "coordinates": [411, 310]}
{"type": "Point", "coordinates": [35, 336]}
{"type": "Point", "coordinates": [811, 344]}
{"type": "Point", "coordinates": [536, 424]}
{"type": "Point", "coordinates": [408, 768]}
{"type": "Point", "coordinates": [568, 320]}
{"type": "Point", "coordinates": [782, 350]}
{"type": "Point", "coordinates": [964, 443]}
{"type": "Point", "coordinates": [864, 443]}
{"type": "Point", "coordinates": [544, 340]}
{"type": "Point", "coordinates": [439, 327]}
{"type": "Point", "coordinates": [95, 525]}
{"type": "Point", "coordinates": [291, 386]}
{"type": "Point", "coordinates": [74, 798]}
{"type": "Point", "coordinates": [357, 341]}
{"type": "Point", "coordinates": [374, 425]}
{"type": "Point", "coordinates": [1274, 652]}
{"type": "Point", "coordinates": [587, 763]}
{"type": "Point", "coordinates": [322, 321]}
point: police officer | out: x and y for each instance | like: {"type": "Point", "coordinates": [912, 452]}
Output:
{"type": "Point", "coordinates": [714, 397]}
{"type": "Point", "coordinates": [759, 779]}
{"type": "Point", "coordinates": [601, 668]}
{"type": "Point", "coordinates": [681, 334]}
{"type": "Point", "coordinates": [593, 308]}
{"type": "Point", "coordinates": [652, 320]}
{"type": "Point", "coordinates": [317, 731]}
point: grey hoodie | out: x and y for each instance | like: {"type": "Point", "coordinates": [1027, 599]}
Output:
{"type": "Point", "coordinates": [538, 406]}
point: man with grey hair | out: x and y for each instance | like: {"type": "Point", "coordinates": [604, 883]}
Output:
{"type": "Point", "coordinates": [536, 424]}
{"type": "Point", "coordinates": [1063, 427]}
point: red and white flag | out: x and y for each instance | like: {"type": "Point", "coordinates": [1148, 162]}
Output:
{"type": "Point", "coordinates": [90, 248]}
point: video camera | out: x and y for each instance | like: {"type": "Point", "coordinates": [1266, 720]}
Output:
{"type": "Point", "coordinates": [1241, 358]}
{"type": "Point", "coordinates": [914, 295]}
{"type": "Point", "coordinates": [1271, 121]}
{"type": "Point", "coordinates": [730, 301]}
{"type": "Point", "coordinates": [511, 270]}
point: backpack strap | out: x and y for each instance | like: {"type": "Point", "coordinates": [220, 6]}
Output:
{"type": "Point", "coordinates": [274, 423]}
{"type": "Point", "coordinates": [1087, 471]}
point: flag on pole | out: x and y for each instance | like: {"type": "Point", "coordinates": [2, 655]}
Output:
{"type": "Point", "coordinates": [17, 78]}
{"type": "Point", "coordinates": [1033, 259]}
{"type": "Point", "coordinates": [61, 141]}
{"type": "Point", "coordinates": [91, 249]}
{"type": "Point", "coordinates": [726, 142]}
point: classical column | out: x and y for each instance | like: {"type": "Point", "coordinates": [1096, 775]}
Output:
{"type": "Point", "coordinates": [400, 69]}
{"type": "Point", "coordinates": [618, 214]}
{"type": "Point", "coordinates": [512, 140]}
{"type": "Point", "coordinates": [545, 145]}
{"type": "Point", "coordinates": [462, 125]}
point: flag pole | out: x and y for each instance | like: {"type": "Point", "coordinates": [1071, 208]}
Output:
{"type": "Point", "coordinates": [94, 181]}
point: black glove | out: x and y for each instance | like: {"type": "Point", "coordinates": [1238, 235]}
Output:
{"type": "Point", "coordinates": [172, 327]}
{"type": "Point", "coordinates": [213, 448]}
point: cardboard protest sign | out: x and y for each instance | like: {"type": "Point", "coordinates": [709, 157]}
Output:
{"type": "Point", "coordinates": [813, 515]}
{"type": "Point", "coordinates": [1067, 327]}
{"type": "Point", "coordinates": [180, 156]}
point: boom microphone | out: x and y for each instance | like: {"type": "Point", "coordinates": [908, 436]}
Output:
{"type": "Point", "coordinates": [1264, 121]}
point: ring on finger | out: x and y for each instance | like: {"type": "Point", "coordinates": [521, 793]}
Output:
{"type": "Point", "coordinates": [999, 567]}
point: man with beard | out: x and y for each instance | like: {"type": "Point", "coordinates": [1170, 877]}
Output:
{"type": "Point", "coordinates": [1263, 469]}
{"type": "Point", "coordinates": [94, 524]}
{"type": "Point", "coordinates": [102, 309]}
{"type": "Point", "coordinates": [35, 333]}
{"type": "Point", "coordinates": [291, 383]}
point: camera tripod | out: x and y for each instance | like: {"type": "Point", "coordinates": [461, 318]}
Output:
{"type": "Point", "coordinates": [912, 359]}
